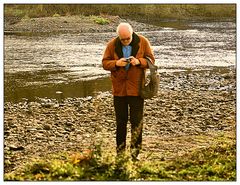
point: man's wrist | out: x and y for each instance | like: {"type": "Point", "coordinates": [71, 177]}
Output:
{"type": "Point", "coordinates": [138, 63]}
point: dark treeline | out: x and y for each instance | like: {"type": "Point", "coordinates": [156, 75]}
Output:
{"type": "Point", "coordinates": [136, 11]}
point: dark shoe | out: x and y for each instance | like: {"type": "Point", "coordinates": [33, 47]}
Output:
{"type": "Point", "coordinates": [135, 159]}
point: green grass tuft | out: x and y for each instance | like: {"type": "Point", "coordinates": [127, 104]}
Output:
{"type": "Point", "coordinates": [100, 20]}
{"type": "Point", "coordinates": [215, 163]}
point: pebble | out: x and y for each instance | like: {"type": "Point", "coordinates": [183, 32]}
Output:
{"type": "Point", "coordinates": [46, 127]}
{"type": "Point", "coordinates": [16, 148]}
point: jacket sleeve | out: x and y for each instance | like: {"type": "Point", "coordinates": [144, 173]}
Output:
{"type": "Point", "coordinates": [148, 53]}
{"type": "Point", "coordinates": [108, 61]}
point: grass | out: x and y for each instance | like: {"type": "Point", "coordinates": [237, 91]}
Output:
{"type": "Point", "coordinates": [134, 11]}
{"type": "Point", "coordinates": [213, 163]}
{"type": "Point", "coordinates": [99, 20]}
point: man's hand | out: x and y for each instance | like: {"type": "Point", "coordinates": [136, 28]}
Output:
{"type": "Point", "coordinates": [134, 61]}
{"type": "Point", "coordinates": [121, 62]}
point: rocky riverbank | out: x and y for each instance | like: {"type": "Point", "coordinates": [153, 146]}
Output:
{"type": "Point", "coordinates": [191, 109]}
{"type": "Point", "coordinates": [69, 24]}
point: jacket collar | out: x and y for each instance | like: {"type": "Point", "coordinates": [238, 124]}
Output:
{"type": "Point", "coordinates": [134, 44]}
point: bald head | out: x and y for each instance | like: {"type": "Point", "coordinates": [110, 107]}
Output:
{"type": "Point", "coordinates": [125, 31]}
{"type": "Point", "coordinates": [124, 27]}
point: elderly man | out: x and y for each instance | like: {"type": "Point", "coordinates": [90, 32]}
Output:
{"type": "Point", "coordinates": [125, 58]}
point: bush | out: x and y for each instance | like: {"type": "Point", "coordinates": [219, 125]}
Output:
{"type": "Point", "coordinates": [133, 11]}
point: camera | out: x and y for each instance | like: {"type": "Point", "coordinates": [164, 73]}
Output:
{"type": "Point", "coordinates": [128, 60]}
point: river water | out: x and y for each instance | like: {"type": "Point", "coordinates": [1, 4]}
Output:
{"type": "Point", "coordinates": [39, 65]}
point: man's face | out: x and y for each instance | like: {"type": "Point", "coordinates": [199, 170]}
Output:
{"type": "Point", "coordinates": [125, 37]}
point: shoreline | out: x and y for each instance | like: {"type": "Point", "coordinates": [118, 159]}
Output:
{"type": "Point", "coordinates": [31, 93]}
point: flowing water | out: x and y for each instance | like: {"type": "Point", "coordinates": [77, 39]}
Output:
{"type": "Point", "coordinates": [39, 65]}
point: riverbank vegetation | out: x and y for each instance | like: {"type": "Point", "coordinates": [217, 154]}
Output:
{"type": "Point", "coordinates": [144, 12]}
{"type": "Point", "coordinates": [213, 163]}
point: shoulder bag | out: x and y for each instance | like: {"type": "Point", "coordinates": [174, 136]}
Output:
{"type": "Point", "coordinates": [150, 88]}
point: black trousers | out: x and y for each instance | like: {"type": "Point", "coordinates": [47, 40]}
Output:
{"type": "Point", "coordinates": [122, 105]}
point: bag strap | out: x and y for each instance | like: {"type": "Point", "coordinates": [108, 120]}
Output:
{"type": "Point", "coordinates": [152, 67]}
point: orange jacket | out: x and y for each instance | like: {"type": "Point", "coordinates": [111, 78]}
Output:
{"type": "Point", "coordinates": [127, 83]}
